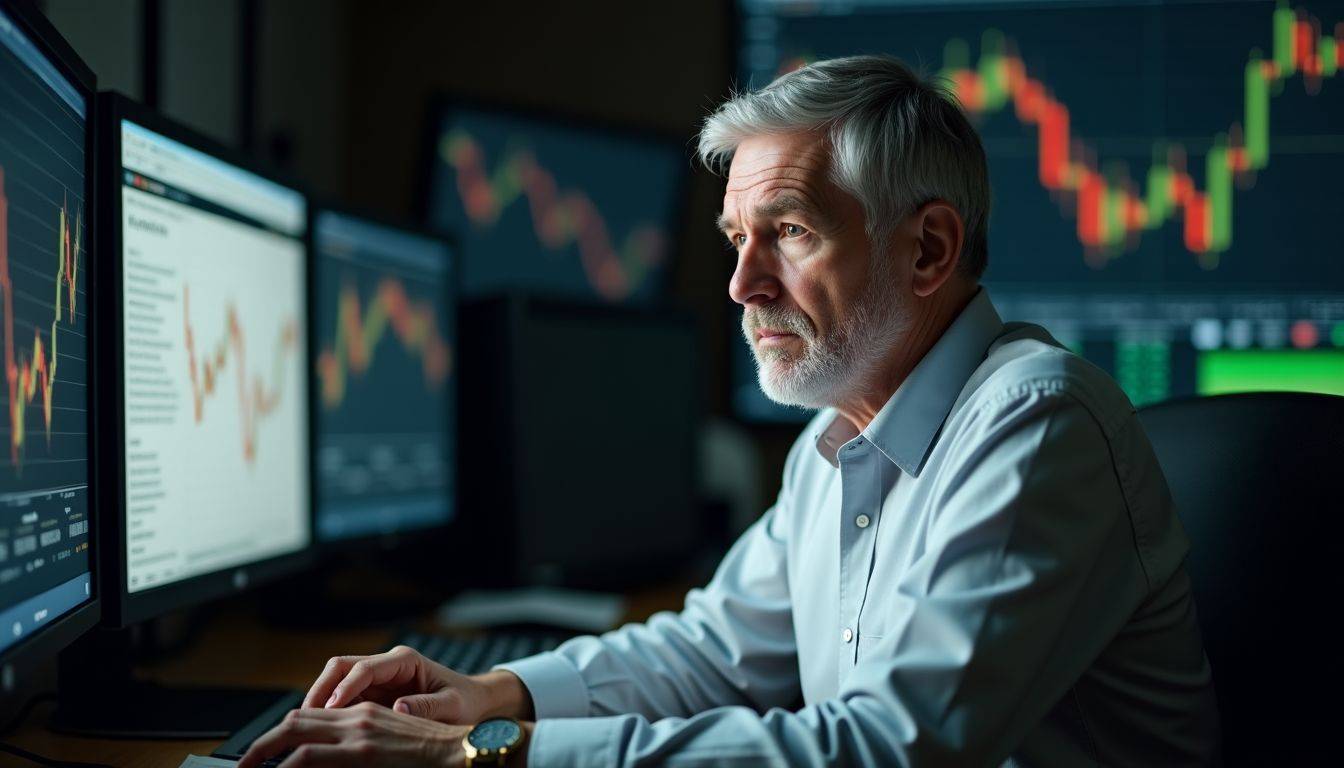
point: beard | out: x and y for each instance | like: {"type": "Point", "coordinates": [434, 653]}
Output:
{"type": "Point", "coordinates": [840, 364]}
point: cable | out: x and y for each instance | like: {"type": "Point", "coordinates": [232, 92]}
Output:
{"type": "Point", "coordinates": [46, 761]}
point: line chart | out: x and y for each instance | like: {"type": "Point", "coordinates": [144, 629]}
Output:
{"type": "Point", "coordinates": [359, 333]}
{"type": "Point", "coordinates": [256, 398]}
{"type": "Point", "coordinates": [560, 217]}
{"type": "Point", "coordinates": [28, 373]}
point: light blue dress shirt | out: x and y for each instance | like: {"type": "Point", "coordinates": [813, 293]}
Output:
{"type": "Point", "coordinates": [990, 573]}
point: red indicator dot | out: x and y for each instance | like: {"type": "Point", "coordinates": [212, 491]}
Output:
{"type": "Point", "coordinates": [1305, 335]}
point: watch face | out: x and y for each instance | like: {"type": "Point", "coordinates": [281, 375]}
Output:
{"type": "Point", "coordinates": [495, 734]}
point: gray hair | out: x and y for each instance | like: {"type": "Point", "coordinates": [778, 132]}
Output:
{"type": "Point", "coordinates": [897, 140]}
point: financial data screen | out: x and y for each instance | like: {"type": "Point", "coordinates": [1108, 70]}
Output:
{"type": "Point", "coordinates": [215, 392]}
{"type": "Point", "coordinates": [385, 365]}
{"type": "Point", "coordinates": [44, 256]}
{"type": "Point", "coordinates": [555, 209]}
{"type": "Point", "coordinates": [1165, 174]}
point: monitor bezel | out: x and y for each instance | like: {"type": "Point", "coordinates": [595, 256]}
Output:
{"type": "Point", "coordinates": [441, 103]}
{"type": "Point", "coordinates": [123, 607]}
{"type": "Point", "coordinates": [409, 537]}
{"type": "Point", "coordinates": [18, 660]}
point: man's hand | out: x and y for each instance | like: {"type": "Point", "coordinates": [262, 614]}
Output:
{"type": "Point", "coordinates": [408, 682]}
{"type": "Point", "coordinates": [364, 735]}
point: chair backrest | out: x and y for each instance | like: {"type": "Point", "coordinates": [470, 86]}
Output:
{"type": "Point", "coordinates": [1258, 481]}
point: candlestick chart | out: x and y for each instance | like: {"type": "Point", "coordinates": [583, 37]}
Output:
{"type": "Point", "coordinates": [554, 208]}
{"type": "Point", "coordinates": [1129, 143]}
{"type": "Point", "coordinates": [43, 254]}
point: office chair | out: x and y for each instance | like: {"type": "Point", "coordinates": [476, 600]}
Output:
{"type": "Point", "coordinates": [1257, 483]}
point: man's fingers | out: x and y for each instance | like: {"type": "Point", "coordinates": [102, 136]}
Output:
{"type": "Point", "coordinates": [332, 674]}
{"type": "Point", "coordinates": [300, 726]}
{"type": "Point", "coordinates": [445, 706]}
{"type": "Point", "coordinates": [397, 665]}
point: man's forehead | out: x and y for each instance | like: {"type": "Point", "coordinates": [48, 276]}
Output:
{"type": "Point", "coordinates": [761, 159]}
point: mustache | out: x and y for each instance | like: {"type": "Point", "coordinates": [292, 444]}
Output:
{"type": "Point", "coordinates": [778, 318]}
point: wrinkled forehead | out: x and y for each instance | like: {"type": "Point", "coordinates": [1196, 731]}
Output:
{"type": "Point", "coordinates": [767, 172]}
{"type": "Point", "coordinates": [799, 158]}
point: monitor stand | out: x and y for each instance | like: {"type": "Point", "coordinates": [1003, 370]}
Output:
{"type": "Point", "coordinates": [99, 696]}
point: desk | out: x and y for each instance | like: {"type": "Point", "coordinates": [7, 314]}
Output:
{"type": "Point", "coordinates": [236, 650]}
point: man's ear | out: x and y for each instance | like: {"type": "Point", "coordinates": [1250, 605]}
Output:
{"type": "Point", "coordinates": [939, 236]}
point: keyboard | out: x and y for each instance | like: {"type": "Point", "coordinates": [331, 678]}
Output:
{"type": "Point", "coordinates": [468, 655]}
{"type": "Point", "coordinates": [474, 655]}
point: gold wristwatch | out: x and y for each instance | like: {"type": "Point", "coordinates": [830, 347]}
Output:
{"type": "Point", "coordinates": [492, 741]}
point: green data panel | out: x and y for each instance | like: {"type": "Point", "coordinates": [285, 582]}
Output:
{"type": "Point", "coordinates": [1222, 372]}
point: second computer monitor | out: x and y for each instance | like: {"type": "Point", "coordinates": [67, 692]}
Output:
{"type": "Point", "coordinates": [214, 393]}
{"type": "Point", "coordinates": [385, 364]}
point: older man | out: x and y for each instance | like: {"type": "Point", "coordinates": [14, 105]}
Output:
{"type": "Point", "coordinates": [973, 558]}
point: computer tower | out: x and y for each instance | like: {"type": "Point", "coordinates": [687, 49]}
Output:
{"type": "Point", "coordinates": [578, 444]}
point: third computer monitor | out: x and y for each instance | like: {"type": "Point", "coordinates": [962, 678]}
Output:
{"type": "Point", "coordinates": [555, 208]}
{"type": "Point", "coordinates": [385, 364]}
{"type": "Point", "coordinates": [214, 386]}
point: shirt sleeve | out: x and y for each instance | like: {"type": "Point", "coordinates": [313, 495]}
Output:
{"type": "Point", "coordinates": [732, 643]}
{"type": "Point", "coordinates": [1028, 573]}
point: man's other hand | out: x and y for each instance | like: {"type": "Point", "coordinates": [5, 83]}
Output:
{"type": "Point", "coordinates": [409, 683]}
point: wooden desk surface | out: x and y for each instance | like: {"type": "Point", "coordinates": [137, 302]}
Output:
{"type": "Point", "coordinates": [236, 650]}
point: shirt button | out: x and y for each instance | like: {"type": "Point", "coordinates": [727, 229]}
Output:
{"type": "Point", "coordinates": [862, 521]}
{"type": "Point", "coordinates": [848, 634]}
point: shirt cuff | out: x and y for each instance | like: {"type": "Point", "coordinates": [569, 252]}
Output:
{"type": "Point", "coordinates": [574, 743]}
{"type": "Point", "coordinates": [557, 688]}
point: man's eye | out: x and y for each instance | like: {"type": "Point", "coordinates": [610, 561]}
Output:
{"type": "Point", "coordinates": [793, 230]}
{"type": "Point", "coordinates": [739, 240]}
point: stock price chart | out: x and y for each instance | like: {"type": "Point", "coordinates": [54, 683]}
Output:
{"type": "Point", "coordinates": [555, 209]}
{"type": "Point", "coordinates": [384, 364]}
{"type": "Point", "coordinates": [1164, 174]}
{"type": "Point", "coordinates": [44, 465]}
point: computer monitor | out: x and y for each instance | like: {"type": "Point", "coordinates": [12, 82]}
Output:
{"type": "Point", "coordinates": [385, 360]}
{"type": "Point", "coordinates": [48, 595]}
{"type": "Point", "coordinates": [555, 208]}
{"type": "Point", "coordinates": [210, 415]}
{"type": "Point", "coordinates": [1164, 194]}
{"type": "Point", "coordinates": [211, 296]}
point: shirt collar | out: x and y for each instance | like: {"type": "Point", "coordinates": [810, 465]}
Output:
{"type": "Point", "coordinates": [904, 428]}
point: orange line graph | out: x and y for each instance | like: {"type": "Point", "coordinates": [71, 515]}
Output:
{"type": "Point", "coordinates": [35, 373]}
{"type": "Point", "coordinates": [358, 335]}
{"type": "Point", "coordinates": [255, 400]}
{"type": "Point", "coordinates": [559, 217]}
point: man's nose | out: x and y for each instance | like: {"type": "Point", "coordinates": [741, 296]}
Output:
{"type": "Point", "coordinates": [754, 281]}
